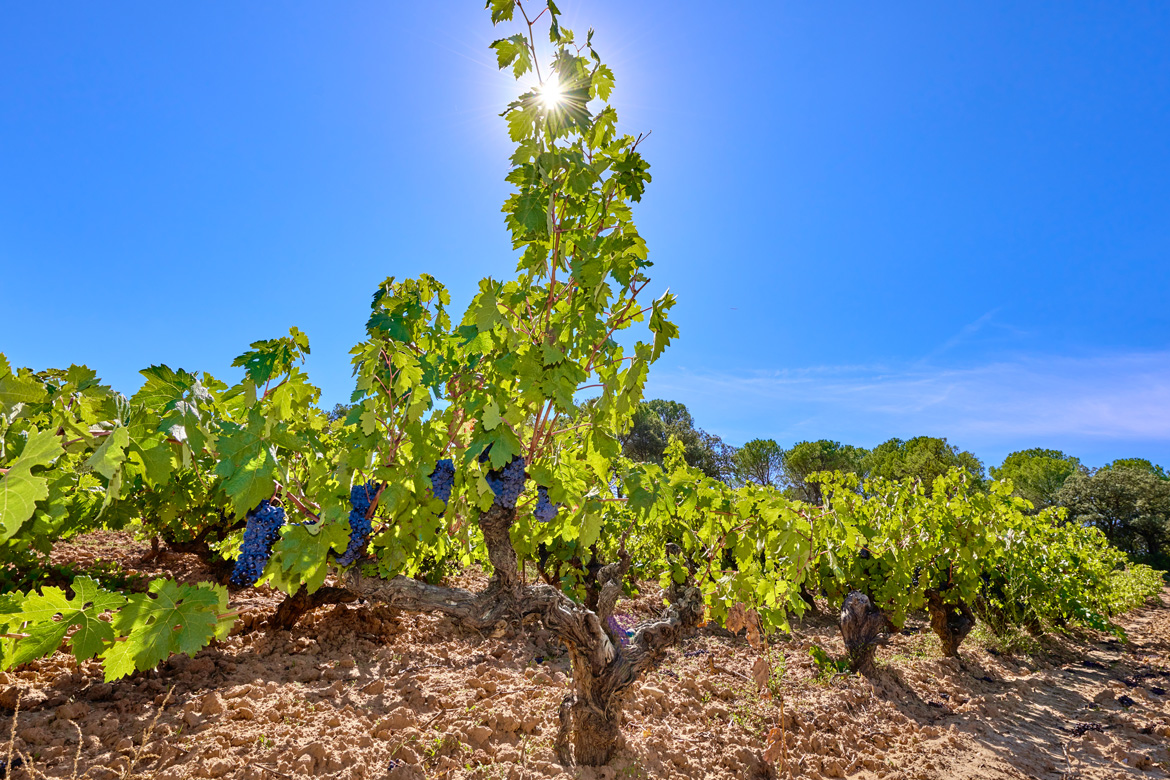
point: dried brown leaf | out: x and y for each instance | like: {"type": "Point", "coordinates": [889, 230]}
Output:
{"type": "Point", "coordinates": [761, 672]}
{"type": "Point", "coordinates": [775, 748]}
{"type": "Point", "coordinates": [736, 618]}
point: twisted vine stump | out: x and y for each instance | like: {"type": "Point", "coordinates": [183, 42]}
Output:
{"type": "Point", "coordinates": [294, 607]}
{"type": "Point", "coordinates": [950, 622]}
{"type": "Point", "coordinates": [603, 669]}
{"type": "Point", "coordinates": [863, 627]}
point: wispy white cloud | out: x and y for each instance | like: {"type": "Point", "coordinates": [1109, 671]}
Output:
{"type": "Point", "coordinates": [1039, 398]}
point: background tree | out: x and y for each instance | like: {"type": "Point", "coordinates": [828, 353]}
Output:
{"type": "Point", "coordinates": [760, 461]}
{"type": "Point", "coordinates": [808, 457]}
{"type": "Point", "coordinates": [924, 458]}
{"type": "Point", "coordinates": [1130, 505]}
{"type": "Point", "coordinates": [657, 421]}
{"type": "Point", "coordinates": [1037, 474]}
{"type": "Point", "coordinates": [1139, 464]}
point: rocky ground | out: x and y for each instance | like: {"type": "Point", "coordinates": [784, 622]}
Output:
{"type": "Point", "coordinates": [356, 691]}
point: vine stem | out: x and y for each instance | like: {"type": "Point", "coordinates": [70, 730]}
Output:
{"type": "Point", "coordinates": [296, 501]}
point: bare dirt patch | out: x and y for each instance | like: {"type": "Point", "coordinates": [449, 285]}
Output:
{"type": "Point", "coordinates": [357, 691]}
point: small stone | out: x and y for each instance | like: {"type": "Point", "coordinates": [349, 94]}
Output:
{"type": "Point", "coordinates": [9, 697]}
{"type": "Point", "coordinates": [400, 718]}
{"type": "Point", "coordinates": [374, 688]}
{"type": "Point", "coordinates": [36, 735]}
{"type": "Point", "coordinates": [99, 692]}
{"type": "Point", "coordinates": [211, 704]}
{"type": "Point", "coordinates": [478, 735]}
{"type": "Point", "coordinates": [407, 772]}
{"type": "Point", "coordinates": [406, 755]}
{"type": "Point", "coordinates": [316, 751]}
{"type": "Point", "coordinates": [217, 767]}
{"type": "Point", "coordinates": [72, 711]}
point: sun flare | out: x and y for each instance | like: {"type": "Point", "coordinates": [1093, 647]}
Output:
{"type": "Point", "coordinates": [551, 93]}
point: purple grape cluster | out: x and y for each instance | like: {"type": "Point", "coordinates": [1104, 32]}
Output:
{"type": "Point", "coordinates": [263, 528]}
{"type": "Point", "coordinates": [508, 483]}
{"type": "Point", "coordinates": [545, 511]}
{"type": "Point", "coordinates": [360, 498]}
{"type": "Point", "coordinates": [443, 479]}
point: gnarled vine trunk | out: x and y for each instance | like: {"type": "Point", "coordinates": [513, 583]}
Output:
{"type": "Point", "coordinates": [863, 627]}
{"type": "Point", "coordinates": [950, 622]}
{"type": "Point", "coordinates": [294, 607]}
{"type": "Point", "coordinates": [603, 668]}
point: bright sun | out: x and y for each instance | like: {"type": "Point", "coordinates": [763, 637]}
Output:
{"type": "Point", "coordinates": [550, 93]}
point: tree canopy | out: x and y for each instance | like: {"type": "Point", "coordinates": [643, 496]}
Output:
{"type": "Point", "coordinates": [760, 461]}
{"type": "Point", "coordinates": [1037, 474]}
{"type": "Point", "coordinates": [657, 421]}
{"type": "Point", "coordinates": [925, 458]}
{"type": "Point", "coordinates": [808, 457]}
{"type": "Point", "coordinates": [1130, 505]}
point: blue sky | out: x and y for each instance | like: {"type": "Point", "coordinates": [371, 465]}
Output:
{"type": "Point", "coordinates": [880, 219]}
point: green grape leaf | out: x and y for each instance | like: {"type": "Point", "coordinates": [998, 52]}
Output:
{"type": "Point", "coordinates": [83, 611]}
{"type": "Point", "coordinates": [247, 466]}
{"type": "Point", "coordinates": [175, 619]}
{"type": "Point", "coordinates": [109, 456]}
{"type": "Point", "coordinates": [158, 459]}
{"type": "Point", "coordinates": [602, 84]}
{"type": "Point", "coordinates": [502, 10]}
{"type": "Point", "coordinates": [176, 395]}
{"type": "Point", "coordinates": [303, 555]}
{"type": "Point", "coordinates": [15, 389]}
{"type": "Point", "coordinates": [513, 51]}
{"type": "Point", "coordinates": [19, 488]}
{"type": "Point", "coordinates": [491, 416]}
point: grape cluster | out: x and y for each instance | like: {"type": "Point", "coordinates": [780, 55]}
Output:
{"type": "Point", "coordinates": [443, 479]}
{"type": "Point", "coordinates": [263, 528]}
{"type": "Point", "coordinates": [508, 483]}
{"type": "Point", "coordinates": [360, 498]}
{"type": "Point", "coordinates": [545, 511]}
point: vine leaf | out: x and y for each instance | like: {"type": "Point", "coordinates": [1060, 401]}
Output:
{"type": "Point", "coordinates": [108, 458]}
{"type": "Point", "coordinates": [83, 610]}
{"type": "Point", "coordinates": [20, 490]}
{"type": "Point", "coordinates": [172, 618]}
{"type": "Point", "coordinates": [246, 464]}
{"type": "Point", "coordinates": [15, 389]}
{"type": "Point", "coordinates": [303, 555]}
